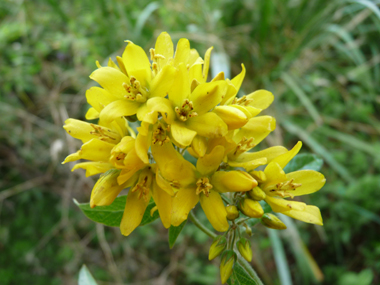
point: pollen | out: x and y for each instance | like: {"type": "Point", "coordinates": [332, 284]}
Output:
{"type": "Point", "coordinates": [282, 189]}
{"type": "Point", "coordinates": [160, 135]}
{"type": "Point", "coordinates": [243, 101]}
{"type": "Point", "coordinates": [204, 186]}
{"type": "Point", "coordinates": [134, 91]}
{"type": "Point", "coordinates": [185, 111]}
{"type": "Point", "coordinates": [244, 145]}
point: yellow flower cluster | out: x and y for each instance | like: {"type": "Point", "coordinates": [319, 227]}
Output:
{"type": "Point", "coordinates": [182, 113]}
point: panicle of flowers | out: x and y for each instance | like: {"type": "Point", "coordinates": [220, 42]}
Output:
{"type": "Point", "coordinates": [182, 115]}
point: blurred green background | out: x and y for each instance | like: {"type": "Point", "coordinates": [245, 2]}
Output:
{"type": "Point", "coordinates": [321, 59]}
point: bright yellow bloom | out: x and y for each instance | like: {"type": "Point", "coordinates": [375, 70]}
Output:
{"type": "Point", "coordinates": [201, 183]}
{"type": "Point", "coordinates": [278, 185]}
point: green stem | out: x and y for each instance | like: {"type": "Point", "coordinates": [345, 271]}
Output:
{"type": "Point", "coordinates": [251, 272]}
{"type": "Point", "coordinates": [200, 225]}
{"type": "Point", "coordinates": [243, 263]}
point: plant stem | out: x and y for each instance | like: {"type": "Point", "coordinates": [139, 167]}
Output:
{"type": "Point", "coordinates": [201, 226]}
{"type": "Point", "coordinates": [243, 263]}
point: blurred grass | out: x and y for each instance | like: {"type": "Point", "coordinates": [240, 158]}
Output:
{"type": "Point", "coordinates": [321, 60]}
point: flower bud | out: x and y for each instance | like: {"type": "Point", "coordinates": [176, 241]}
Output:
{"type": "Point", "coordinates": [251, 208]}
{"type": "Point", "coordinates": [106, 189]}
{"type": "Point", "coordinates": [256, 194]}
{"type": "Point", "coordinates": [232, 116]}
{"type": "Point", "coordinates": [216, 248]}
{"type": "Point", "coordinates": [232, 212]}
{"type": "Point", "coordinates": [244, 247]}
{"type": "Point", "coordinates": [271, 221]}
{"type": "Point", "coordinates": [227, 264]}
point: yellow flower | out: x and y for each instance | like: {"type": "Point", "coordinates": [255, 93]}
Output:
{"type": "Point", "coordinates": [138, 199]}
{"type": "Point", "coordinates": [278, 185]}
{"type": "Point", "coordinates": [202, 183]}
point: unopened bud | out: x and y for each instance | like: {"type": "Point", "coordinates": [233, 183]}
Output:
{"type": "Point", "coordinates": [216, 248]}
{"type": "Point", "coordinates": [256, 194]}
{"type": "Point", "coordinates": [251, 208]}
{"type": "Point", "coordinates": [227, 264]}
{"type": "Point", "coordinates": [271, 221]}
{"type": "Point", "coordinates": [232, 116]}
{"type": "Point", "coordinates": [244, 247]}
{"type": "Point", "coordinates": [232, 212]}
{"type": "Point", "coordinates": [259, 176]}
{"type": "Point", "coordinates": [106, 189]}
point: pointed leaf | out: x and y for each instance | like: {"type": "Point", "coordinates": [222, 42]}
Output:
{"type": "Point", "coordinates": [304, 161]}
{"type": "Point", "coordinates": [174, 233]}
{"type": "Point", "coordinates": [85, 277]}
{"type": "Point", "coordinates": [111, 215]}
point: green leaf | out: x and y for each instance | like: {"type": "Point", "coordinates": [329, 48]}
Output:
{"type": "Point", "coordinates": [85, 277]}
{"type": "Point", "coordinates": [174, 233]}
{"type": "Point", "coordinates": [240, 277]}
{"type": "Point", "coordinates": [304, 161]}
{"type": "Point", "coordinates": [111, 215]}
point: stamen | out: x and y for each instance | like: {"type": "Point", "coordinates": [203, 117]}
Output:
{"type": "Point", "coordinates": [134, 90]}
{"type": "Point", "coordinates": [160, 134]}
{"type": "Point", "coordinates": [185, 111]}
{"type": "Point", "coordinates": [244, 145]}
{"type": "Point", "coordinates": [243, 101]}
{"type": "Point", "coordinates": [204, 186]}
{"type": "Point", "coordinates": [282, 189]}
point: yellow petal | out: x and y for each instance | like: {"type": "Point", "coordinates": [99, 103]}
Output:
{"type": "Point", "coordinates": [93, 168]}
{"type": "Point", "coordinates": [219, 76]}
{"type": "Point", "coordinates": [95, 150]}
{"type": "Point", "coordinates": [280, 205]}
{"type": "Point", "coordinates": [98, 98]}
{"type": "Point", "coordinates": [209, 163]}
{"type": "Point", "coordinates": [311, 214]}
{"type": "Point", "coordinates": [133, 213]}
{"type": "Point", "coordinates": [182, 52]}
{"type": "Point", "coordinates": [137, 63]}
{"type": "Point", "coordinates": [274, 174]}
{"type": "Point", "coordinates": [92, 114]}
{"type": "Point", "coordinates": [172, 165]}
{"type": "Point", "coordinates": [270, 153]}
{"type": "Point", "coordinates": [236, 82]}
{"type": "Point", "coordinates": [193, 57]}
{"type": "Point", "coordinates": [142, 146]}
{"type": "Point", "coordinates": [164, 46]}
{"type": "Point", "coordinates": [199, 146]}
{"type": "Point", "coordinates": [208, 125]}
{"type": "Point", "coordinates": [284, 159]}
{"type": "Point", "coordinates": [86, 131]}
{"type": "Point", "coordinates": [230, 93]}
{"type": "Point", "coordinates": [207, 95]}
{"type": "Point", "coordinates": [112, 64]}
{"type": "Point", "coordinates": [117, 109]}
{"type": "Point", "coordinates": [249, 165]}
{"type": "Point", "coordinates": [164, 184]}
{"type": "Point", "coordinates": [195, 72]}
{"type": "Point", "coordinates": [181, 86]}
{"type": "Point", "coordinates": [121, 65]}
{"type": "Point", "coordinates": [164, 204]}
{"type": "Point", "coordinates": [206, 65]}
{"type": "Point", "coordinates": [232, 181]}
{"type": "Point", "coordinates": [233, 117]}
{"type": "Point", "coordinates": [257, 128]}
{"type": "Point", "coordinates": [183, 202]}
{"type": "Point", "coordinates": [163, 106]}
{"type": "Point", "coordinates": [311, 181]}
{"type": "Point", "coordinates": [112, 80]}
{"type": "Point", "coordinates": [261, 99]}
{"type": "Point", "coordinates": [163, 82]}
{"type": "Point", "coordinates": [181, 134]}
{"type": "Point", "coordinates": [106, 189]}
{"type": "Point", "coordinates": [215, 210]}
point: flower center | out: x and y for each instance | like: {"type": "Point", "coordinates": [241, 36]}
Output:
{"type": "Point", "coordinates": [243, 101]}
{"type": "Point", "coordinates": [282, 189]}
{"type": "Point", "coordinates": [244, 145]}
{"type": "Point", "coordinates": [143, 185]}
{"type": "Point", "coordinates": [134, 90]}
{"type": "Point", "coordinates": [160, 134]}
{"type": "Point", "coordinates": [105, 134]}
{"type": "Point", "coordinates": [156, 67]}
{"type": "Point", "coordinates": [204, 186]}
{"type": "Point", "coordinates": [185, 111]}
